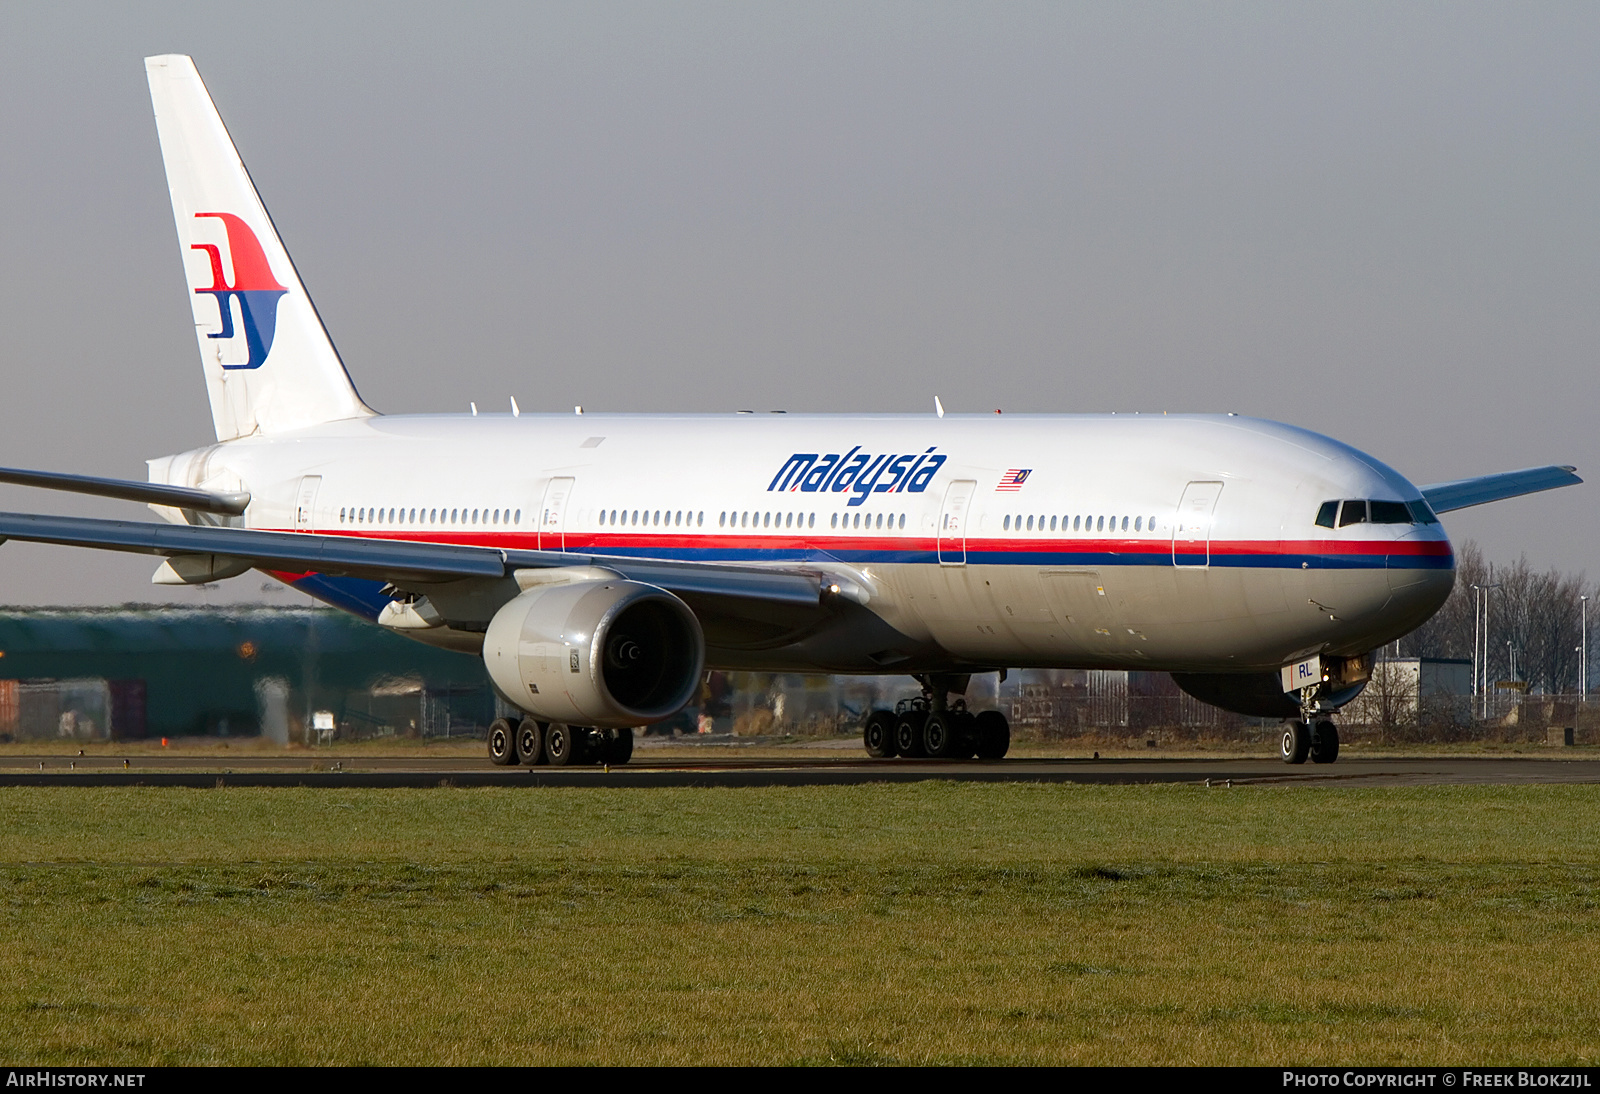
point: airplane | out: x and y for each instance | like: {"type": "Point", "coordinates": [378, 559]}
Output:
{"type": "Point", "coordinates": [601, 563]}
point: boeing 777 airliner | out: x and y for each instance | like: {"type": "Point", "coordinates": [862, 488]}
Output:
{"type": "Point", "coordinates": [601, 563]}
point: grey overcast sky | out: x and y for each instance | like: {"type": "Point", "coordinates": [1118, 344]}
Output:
{"type": "Point", "coordinates": [1374, 220]}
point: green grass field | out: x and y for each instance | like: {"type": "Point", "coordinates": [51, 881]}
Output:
{"type": "Point", "coordinates": [918, 924]}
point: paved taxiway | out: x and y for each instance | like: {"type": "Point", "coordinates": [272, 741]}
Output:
{"type": "Point", "coordinates": [334, 771]}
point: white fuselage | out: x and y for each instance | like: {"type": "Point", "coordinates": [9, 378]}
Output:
{"type": "Point", "coordinates": [1174, 542]}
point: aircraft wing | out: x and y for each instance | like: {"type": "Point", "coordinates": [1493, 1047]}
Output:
{"type": "Point", "coordinates": [404, 563]}
{"type": "Point", "coordinates": [1447, 496]}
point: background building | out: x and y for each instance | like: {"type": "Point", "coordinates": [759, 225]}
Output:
{"type": "Point", "coordinates": [128, 673]}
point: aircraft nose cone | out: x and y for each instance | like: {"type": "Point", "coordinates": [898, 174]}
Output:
{"type": "Point", "coordinates": [1421, 574]}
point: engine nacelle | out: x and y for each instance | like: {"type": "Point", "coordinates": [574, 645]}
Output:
{"type": "Point", "coordinates": [610, 654]}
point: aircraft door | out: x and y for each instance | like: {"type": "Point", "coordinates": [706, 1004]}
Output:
{"type": "Point", "coordinates": [1191, 532]}
{"type": "Point", "coordinates": [953, 522]}
{"type": "Point", "coordinates": [553, 515]}
{"type": "Point", "coordinates": [305, 502]}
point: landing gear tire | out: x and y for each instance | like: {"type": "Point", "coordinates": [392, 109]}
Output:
{"type": "Point", "coordinates": [994, 735]}
{"type": "Point", "coordinates": [1296, 744]}
{"type": "Point", "coordinates": [618, 746]}
{"type": "Point", "coordinates": [967, 734]}
{"type": "Point", "coordinates": [941, 736]}
{"type": "Point", "coordinates": [878, 735]}
{"type": "Point", "coordinates": [1325, 743]}
{"type": "Point", "coordinates": [502, 743]}
{"type": "Point", "coordinates": [908, 733]}
{"type": "Point", "coordinates": [560, 744]}
{"type": "Point", "coordinates": [530, 743]}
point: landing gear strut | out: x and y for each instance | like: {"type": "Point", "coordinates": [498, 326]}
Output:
{"type": "Point", "coordinates": [934, 725]}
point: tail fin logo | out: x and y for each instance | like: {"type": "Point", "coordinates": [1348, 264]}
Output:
{"type": "Point", "coordinates": [253, 286]}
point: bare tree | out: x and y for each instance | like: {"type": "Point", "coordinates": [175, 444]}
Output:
{"type": "Point", "coordinates": [1533, 614]}
{"type": "Point", "coordinates": [1389, 701]}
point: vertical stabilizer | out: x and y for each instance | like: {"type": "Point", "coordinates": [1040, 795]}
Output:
{"type": "Point", "coordinates": [269, 363]}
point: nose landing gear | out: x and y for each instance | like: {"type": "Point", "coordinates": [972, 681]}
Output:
{"type": "Point", "coordinates": [1312, 737]}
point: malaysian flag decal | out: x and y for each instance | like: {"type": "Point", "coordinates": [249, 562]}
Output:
{"type": "Point", "coordinates": [1013, 479]}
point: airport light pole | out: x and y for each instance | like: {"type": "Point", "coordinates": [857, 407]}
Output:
{"type": "Point", "coordinates": [1583, 656]}
{"type": "Point", "coordinates": [1480, 642]}
{"type": "Point", "coordinates": [1476, 593]}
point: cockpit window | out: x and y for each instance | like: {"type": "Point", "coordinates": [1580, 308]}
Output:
{"type": "Point", "coordinates": [1421, 512]}
{"type": "Point", "coordinates": [1358, 511]}
{"type": "Point", "coordinates": [1390, 512]}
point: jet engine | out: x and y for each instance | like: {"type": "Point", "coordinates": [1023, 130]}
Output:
{"type": "Point", "coordinates": [610, 654]}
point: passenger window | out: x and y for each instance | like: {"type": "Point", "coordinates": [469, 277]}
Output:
{"type": "Point", "coordinates": [811, 521]}
{"type": "Point", "coordinates": [1077, 522]}
{"type": "Point", "coordinates": [1006, 524]}
{"type": "Point", "coordinates": [1101, 527]}
{"type": "Point", "coordinates": [1138, 522]}
{"type": "Point", "coordinates": [836, 520]}
{"type": "Point", "coordinates": [902, 521]}
{"type": "Point", "coordinates": [1124, 524]}
{"type": "Point", "coordinates": [1352, 512]}
{"type": "Point", "coordinates": [1390, 512]}
{"type": "Point", "coordinates": [1326, 515]}
{"type": "Point", "coordinates": [1030, 524]}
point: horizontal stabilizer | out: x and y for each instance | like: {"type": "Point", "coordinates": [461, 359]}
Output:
{"type": "Point", "coordinates": [178, 497]}
{"type": "Point", "coordinates": [1447, 496]}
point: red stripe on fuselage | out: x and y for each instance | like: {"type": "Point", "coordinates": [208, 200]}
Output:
{"type": "Point", "coordinates": [579, 541]}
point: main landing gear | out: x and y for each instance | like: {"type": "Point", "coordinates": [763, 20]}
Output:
{"type": "Point", "coordinates": [1312, 737]}
{"type": "Point", "coordinates": [556, 743]}
{"type": "Point", "coordinates": [932, 725]}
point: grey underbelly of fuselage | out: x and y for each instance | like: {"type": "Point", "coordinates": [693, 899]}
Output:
{"type": "Point", "coordinates": [1216, 619]}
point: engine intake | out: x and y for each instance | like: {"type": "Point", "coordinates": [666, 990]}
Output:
{"type": "Point", "coordinates": [610, 654]}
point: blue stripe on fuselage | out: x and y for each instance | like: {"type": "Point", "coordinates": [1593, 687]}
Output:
{"type": "Point", "coordinates": [356, 595]}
